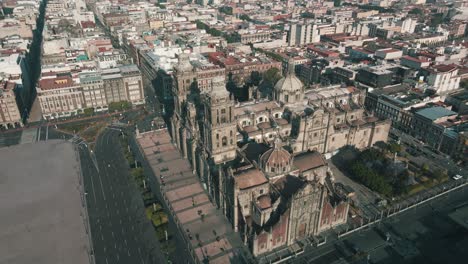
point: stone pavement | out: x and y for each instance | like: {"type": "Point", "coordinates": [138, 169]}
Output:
{"type": "Point", "coordinates": [205, 228]}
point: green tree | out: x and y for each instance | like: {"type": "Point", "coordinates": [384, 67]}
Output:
{"type": "Point", "coordinates": [416, 11]}
{"type": "Point", "coordinates": [226, 10]}
{"type": "Point", "coordinates": [437, 19]}
{"type": "Point", "coordinates": [425, 168]}
{"type": "Point", "coordinates": [245, 17]}
{"type": "Point", "coordinates": [89, 111]}
{"type": "Point", "coordinates": [464, 83]}
{"type": "Point", "coordinates": [255, 78]}
{"type": "Point", "coordinates": [119, 106]}
{"type": "Point", "coordinates": [307, 15]}
{"type": "Point", "coordinates": [394, 147]}
{"type": "Point", "coordinates": [272, 75]}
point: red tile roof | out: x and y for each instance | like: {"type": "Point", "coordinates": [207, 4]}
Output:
{"type": "Point", "coordinates": [250, 178]}
{"type": "Point", "coordinates": [56, 83]}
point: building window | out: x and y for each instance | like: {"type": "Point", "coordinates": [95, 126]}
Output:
{"type": "Point", "coordinates": [261, 191]}
{"type": "Point", "coordinates": [338, 120]}
{"type": "Point", "coordinates": [223, 111]}
{"type": "Point", "coordinates": [260, 119]}
{"type": "Point", "coordinates": [224, 141]}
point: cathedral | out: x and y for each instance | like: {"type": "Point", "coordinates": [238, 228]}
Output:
{"type": "Point", "coordinates": [263, 161]}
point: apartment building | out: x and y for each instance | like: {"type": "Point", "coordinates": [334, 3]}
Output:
{"type": "Point", "coordinates": [303, 33]}
{"type": "Point", "coordinates": [60, 96]}
{"type": "Point", "coordinates": [9, 113]}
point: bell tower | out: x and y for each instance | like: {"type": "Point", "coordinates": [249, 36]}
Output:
{"type": "Point", "coordinates": [219, 123]}
{"type": "Point", "coordinates": [184, 76]}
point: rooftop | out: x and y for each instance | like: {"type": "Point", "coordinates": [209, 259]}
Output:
{"type": "Point", "coordinates": [434, 113]}
{"type": "Point", "coordinates": [250, 178]}
{"type": "Point", "coordinates": [309, 160]}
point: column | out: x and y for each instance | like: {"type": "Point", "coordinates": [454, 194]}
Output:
{"type": "Point", "coordinates": [183, 145]}
{"type": "Point", "coordinates": [202, 167]}
{"type": "Point", "coordinates": [221, 191]}
{"type": "Point", "coordinates": [194, 160]}
{"type": "Point", "coordinates": [177, 135]}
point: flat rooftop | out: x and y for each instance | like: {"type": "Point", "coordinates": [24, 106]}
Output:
{"type": "Point", "coordinates": [41, 219]}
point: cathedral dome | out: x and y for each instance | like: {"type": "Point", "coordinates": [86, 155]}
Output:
{"type": "Point", "coordinates": [276, 160]}
{"type": "Point", "coordinates": [289, 89]}
{"type": "Point", "coordinates": [289, 83]}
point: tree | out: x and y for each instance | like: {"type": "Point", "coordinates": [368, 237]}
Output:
{"type": "Point", "coordinates": [255, 78]}
{"type": "Point", "coordinates": [394, 147]}
{"type": "Point", "coordinates": [245, 17]}
{"type": "Point", "coordinates": [226, 10]}
{"type": "Point", "coordinates": [336, 3]}
{"type": "Point", "coordinates": [425, 168]}
{"type": "Point", "coordinates": [437, 19]}
{"type": "Point", "coordinates": [464, 83]}
{"type": "Point", "coordinates": [272, 75]}
{"type": "Point", "coordinates": [307, 15]}
{"type": "Point", "coordinates": [416, 11]}
{"type": "Point", "coordinates": [89, 111]}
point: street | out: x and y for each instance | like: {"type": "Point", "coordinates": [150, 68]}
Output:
{"type": "Point", "coordinates": [120, 231]}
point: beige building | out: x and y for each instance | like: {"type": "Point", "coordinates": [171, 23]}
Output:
{"type": "Point", "coordinates": [10, 115]}
{"type": "Point", "coordinates": [93, 90]}
{"type": "Point", "coordinates": [60, 96]}
{"type": "Point", "coordinates": [123, 84]}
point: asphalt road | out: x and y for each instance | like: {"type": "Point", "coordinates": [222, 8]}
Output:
{"type": "Point", "coordinates": [121, 233]}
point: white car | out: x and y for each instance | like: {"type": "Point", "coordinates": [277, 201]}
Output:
{"type": "Point", "coordinates": [457, 177]}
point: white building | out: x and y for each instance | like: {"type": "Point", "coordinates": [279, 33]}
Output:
{"type": "Point", "coordinates": [444, 78]}
{"type": "Point", "coordinates": [303, 33]}
{"type": "Point", "coordinates": [408, 25]}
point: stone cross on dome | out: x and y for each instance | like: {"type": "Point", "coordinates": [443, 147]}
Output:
{"type": "Point", "coordinates": [278, 143]}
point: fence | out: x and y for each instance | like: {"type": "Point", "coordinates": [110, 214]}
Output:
{"type": "Point", "coordinates": [402, 207]}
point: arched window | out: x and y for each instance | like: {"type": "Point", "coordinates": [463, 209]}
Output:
{"type": "Point", "coordinates": [224, 141]}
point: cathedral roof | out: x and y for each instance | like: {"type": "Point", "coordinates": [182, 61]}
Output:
{"type": "Point", "coordinates": [309, 160]}
{"type": "Point", "coordinates": [264, 201]}
{"type": "Point", "coordinates": [250, 178]}
{"type": "Point", "coordinates": [276, 156]}
{"type": "Point", "coordinates": [290, 82]}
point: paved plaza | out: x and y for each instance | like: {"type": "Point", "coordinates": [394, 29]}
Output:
{"type": "Point", "coordinates": [205, 227]}
{"type": "Point", "coordinates": [42, 211]}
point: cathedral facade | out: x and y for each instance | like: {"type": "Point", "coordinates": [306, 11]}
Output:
{"type": "Point", "coordinates": [263, 161]}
